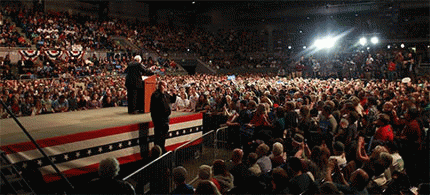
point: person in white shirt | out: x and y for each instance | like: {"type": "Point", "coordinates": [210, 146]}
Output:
{"type": "Point", "coordinates": [193, 97]}
{"type": "Point", "coordinates": [182, 103]}
{"type": "Point", "coordinates": [339, 153]}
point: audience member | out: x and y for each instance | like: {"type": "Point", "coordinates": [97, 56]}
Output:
{"type": "Point", "coordinates": [221, 174]}
{"type": "Point", "coordinates": [106, 183]}
{"type": "Point", "coordinates": [179, 176]}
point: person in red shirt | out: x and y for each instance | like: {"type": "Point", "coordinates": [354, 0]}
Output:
{"type": "Point", "coordinates": [384, 131]}
{"type": "Point", "coordinates": [391, 70]}
{"type": "Point", "coordinates": [261, 124]}
{"type": "Point", "coordinates": [412, 133]}
{"type": "Point", "coordinates": [411, 139]}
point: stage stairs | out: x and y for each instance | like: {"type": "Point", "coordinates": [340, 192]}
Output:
{"type": "Point", "coordinates": [12, 181]}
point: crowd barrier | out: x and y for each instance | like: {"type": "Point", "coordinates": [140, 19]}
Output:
{"type": "Point", "coordinates": [154, 177]}
{"type": "Point", "coordinates": [196, 152]}
{"type": "Point", "coordinates": [213, 121]}
{"type": "Point", "coordinates": [223, 142]}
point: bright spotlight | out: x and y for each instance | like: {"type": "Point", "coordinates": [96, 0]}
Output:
{"type": "Point", "coordinates": [327, 42]}
{"type": "Point", "coordinates": [289, 46]}
{"type": "Point", "coordinates": [368, 48]}
{"type": "Point", "coordinates": [363, 41]}
{"type": "Point", "coordinates": [374, 40]}
{"type": "Point", "coordinates": [402, 45]}
{"type": "Point", "coordinates": [304, 47]}
{"type": "Point", "coordinates": [388, 46]}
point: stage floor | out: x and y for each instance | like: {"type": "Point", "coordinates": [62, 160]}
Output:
{"type": "Point", "coordinates": [60, 124]}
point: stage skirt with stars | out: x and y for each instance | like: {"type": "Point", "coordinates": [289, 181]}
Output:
{"type": "Point", "coordinates": [80, 153]}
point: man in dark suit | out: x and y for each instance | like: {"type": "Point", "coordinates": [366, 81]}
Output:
{"type": "Point", "coordinates": [160, 112]}
{"type": "Point", "coordinates": [134, 85]}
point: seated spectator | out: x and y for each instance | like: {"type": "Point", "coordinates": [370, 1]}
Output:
{"type": "Point", "coordinates": [206, 187]}
{"type": "Point", "coordinates": [94, 103]}
{"type": "Point", "coordinates": [260, 122]}
{"type": "Point", "coordinates": [358, 181]}
{"type": "Point", "coordinates": [263, 159]}
{"type": "Point", "coordinates": [382, 176]}
{"type": "Point", "coordinates": [106, 183]}
{"type": "Point", "coordinates": [277, 157]}
{"type": "Point", "coordinates": [182, 103]}
{"type": "Point", "coordinates": [320, 156]}
{"type": "Point", "coordinates": [300, 181]}
{"type": "Point", "coordinates": [329, 188]}
{"type": "Point", "coordinates": [47, 103]}
{"type": "Point", "coordinates": [384, 131]}
{"type": "Point", "coordinates": [202, 103]}
{"type": "Point", "coordinates": [253, 166]}
{"type": "Point", "coordinates": [193, 97]}
{"type": "Point", "coordinates": [239, 170]}
{"type": "Point", "coordinates": [339, 154]}
{"type": "Point", "coordinates": [61, 104]}
{"type": "Point", "coordinates": [205, 173]}
{"type": "Point", "coordinates": [27, 106]}
{"type": "Point", "coordinates": [398, 163]}
{"type": "Point", "coordinates": [37, 109]}
{"type": "Point", "coordinates": [15, 107]}
{"type": "Point", "coordinates": [82, 102]}
{"type": "Point", "coordinates": [280, 181]}
{"type": "Point", "coordinates": [179, 177]}
{"type": "Point", "coordinates": [107, 102]}
{"type": "Point", "coordinates": [224, 178]}
{"type": "Point", "coordinates": [73, 101]}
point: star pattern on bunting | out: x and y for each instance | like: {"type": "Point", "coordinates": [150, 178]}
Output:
{"type": "Point", "coordinates": [102, 149]}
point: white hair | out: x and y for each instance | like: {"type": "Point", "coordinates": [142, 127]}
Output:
{"type": "Point", "coordinates": [109, 168]}
{"type": "Point", "coordinates": [277, 149]}
{"type": "Point", "coordinates": [138, 58]}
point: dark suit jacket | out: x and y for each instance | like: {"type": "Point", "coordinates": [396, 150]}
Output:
{"type": "Point", "coordinates": [133, 80]}
{"type": "Point", "coordinates": [160, 108]}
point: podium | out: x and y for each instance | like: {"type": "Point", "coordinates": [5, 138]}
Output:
{"type": "Point", "coordinates": [149, 86]}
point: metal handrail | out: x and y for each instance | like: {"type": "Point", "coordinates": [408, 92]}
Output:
{"type": "Point", "coordinates": [219, 129]}
{"type": "Point", "coordinates": [216, 139]}
{"type": "Point", "coordinates": [147, 165]}
{"type": "Point", "coordinates": [186, 144]}
{"type": "Point", "coordinates": [37, 145]}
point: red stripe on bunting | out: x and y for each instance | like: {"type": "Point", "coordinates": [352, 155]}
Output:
{"type": "Point", "coordinates": [89, 168]}
{"type": "Point", "coordinates": [25, 146]}
{"type": "Point", "coordinates": [121, 160]}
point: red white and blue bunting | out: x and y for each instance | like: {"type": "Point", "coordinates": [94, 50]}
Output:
{"type": "Point", "coordinates": [75, 54]}
{"type": "Point", "coordinates": [29, 54]}
{"type": "Point", "coordinates": [53, 54]}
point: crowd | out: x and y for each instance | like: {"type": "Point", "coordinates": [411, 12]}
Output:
{"type": "Point", "coordinates": [296, 135]}
{"type": "Point", "coordinates": [43, 96]}
{"type": "Point", "coordinates": [224, 48]}
{"type": "Point", "coordinates": [84, 84]}
{"type": "Point", "coordinates": [314, 136]}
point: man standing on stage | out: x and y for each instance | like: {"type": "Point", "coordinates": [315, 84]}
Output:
{"type": "Point", "coordinates": [160, 112]}
{"type": "Point", "coordinates": [134, 85]}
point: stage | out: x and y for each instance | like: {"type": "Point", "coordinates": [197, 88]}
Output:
{"type": "Point", "coordinates": [77, 141]}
